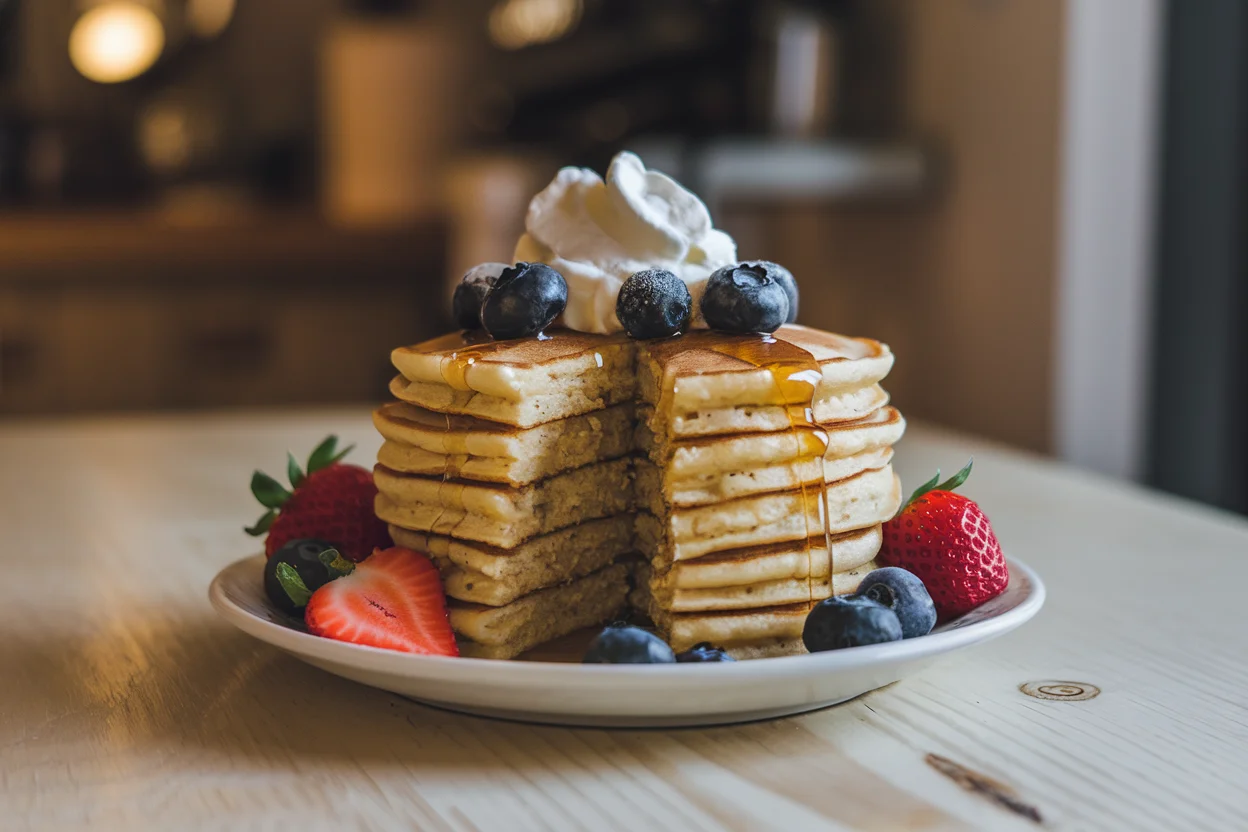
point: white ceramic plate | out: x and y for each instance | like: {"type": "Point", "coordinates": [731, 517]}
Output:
{"type": "Point", "coordinates": [622, 695]}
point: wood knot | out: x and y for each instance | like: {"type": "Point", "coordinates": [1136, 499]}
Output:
{"type": "Point", "coordinates": [979, 784]}
{"type": "Point", "coordinates": [1060, 691]}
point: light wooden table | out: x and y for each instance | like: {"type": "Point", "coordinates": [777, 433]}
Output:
{"type": "Point", "coordinates": [125, 703]}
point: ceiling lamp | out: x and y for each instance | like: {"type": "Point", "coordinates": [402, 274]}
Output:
{"type": "Point", "coordinates": [116, 41]}
{"type": "Point", "coordinates": [515, 24]}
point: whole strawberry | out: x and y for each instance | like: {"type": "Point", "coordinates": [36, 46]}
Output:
{"type": "Point", "coordinates": [946, 540]}
{"type": "Point", "coordinates": [332, 502]}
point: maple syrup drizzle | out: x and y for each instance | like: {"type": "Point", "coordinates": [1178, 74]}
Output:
{"type": "Point", "coordinates": [796, 376]}
{"type": "Point", "coordinates": [453, 368]}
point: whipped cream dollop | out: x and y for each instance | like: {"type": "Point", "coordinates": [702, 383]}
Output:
{"type": "Point", "coordinates": [596, 233]}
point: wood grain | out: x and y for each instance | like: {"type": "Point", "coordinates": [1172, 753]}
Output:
{"type": "Point", "coordinates": [127, 704]}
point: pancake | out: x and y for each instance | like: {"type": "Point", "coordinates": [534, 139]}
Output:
{"type": "Point", "coordinates": [745, 633]}
{"type": "Point", "coordinates": [489, 575]}
{"type": "Point", "coordinates": [771, 593]}
{"type": "Point", "coordinates": [773, 563]}
{"type": "Point", "coordinates": [830, 408]}
{"type": "Point", "coordinates": [713, 373]}
{"type": "Point", "coordinates": [523, 383]}
{"type": "Point", "coordinates": [734, 483]}
{"type": "Point", "coordinates": [764, 630]}
{"type": "Point", "coordinates": [420, 441]}
{"type": "Point", "coordinates": [531, 381]}
{"type": "Point", "coordinates": [685, 534]}
{"type": "Point", "coordinates": [533, 470]}
{"type": "Point", "coordinates": [694, 458]}
{"type": "Point", "coordinates": [498, 514]}
{"type": "Point", "coordinates": [507, 631]}
{"type": "Point", "coordinates": [713, 469]}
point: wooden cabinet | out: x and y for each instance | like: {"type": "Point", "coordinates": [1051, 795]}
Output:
{"type": "Point", "coordinates": [208, 318]}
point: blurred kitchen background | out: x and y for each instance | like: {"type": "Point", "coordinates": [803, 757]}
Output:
{"type": "Point", "coordinates": [1038, 204]}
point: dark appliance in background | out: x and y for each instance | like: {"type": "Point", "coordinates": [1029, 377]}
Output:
{"type": "Point", "coordinates": [690, 68]}
{"type": "Point", "coordinates": [1199, 431]}
{"type": "Point", "coordinates": [12, 134]}
{"type": "Point", "coordinates": [8, 40]}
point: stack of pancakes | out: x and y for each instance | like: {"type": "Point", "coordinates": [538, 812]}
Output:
{"type": "Point", "coordinates": [723, 483]}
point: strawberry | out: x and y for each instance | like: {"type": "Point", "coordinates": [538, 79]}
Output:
{"type": "Point", "coordinates": [393, 599]}
{"type": "Point", "coordinates": [946, 540]}
{"type": "Point", "coordinates": [331, 502]}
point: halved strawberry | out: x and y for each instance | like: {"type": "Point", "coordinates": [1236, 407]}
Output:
{"type": "Point", "coordinates": [392, 600]}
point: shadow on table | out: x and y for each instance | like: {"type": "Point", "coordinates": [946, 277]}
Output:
{"type": "Point", "coordinates": [146, 698]}
{"type": "Point", "coordinates": [198, 683]}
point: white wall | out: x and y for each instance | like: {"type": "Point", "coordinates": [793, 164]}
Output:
{"type": "Point", "coordinates": [1106, 209]}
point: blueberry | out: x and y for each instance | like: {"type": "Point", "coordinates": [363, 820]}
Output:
{"type": "Point", "coordinates": [471, 292]}
{"type": "Point", "coordinates": [744, 298]}
{"type": "Point", "coordinates": [704, 652]}
{"type": "Point", "coordinates": [622, 644]}
{"type": "Point", "coordinates": [654, 304]}
{"type": "Point", "coordinates": [304, 556]}
{"type": "Point", "coordinates": [784, 277]}
{"type": "Point", "coordinates": [524, 300]}
{"type": "Point", "coordinates": [903, 593]}
{"type": "Point", "coordinates": [849, 622]}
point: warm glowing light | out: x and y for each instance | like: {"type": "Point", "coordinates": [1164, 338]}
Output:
{"type": "Point", "coordinates": [116, 42]}
{"type": "Point", "coordinates": [208, 18]}
{"type": "Point", "coordinates": [515, 24]}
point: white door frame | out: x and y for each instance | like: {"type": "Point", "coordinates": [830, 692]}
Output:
{"type": "Point", "coordinates": [1109, 135]}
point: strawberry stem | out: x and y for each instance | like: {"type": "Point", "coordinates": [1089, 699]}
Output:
{"type": "Point", "coordinates": [931, 485]}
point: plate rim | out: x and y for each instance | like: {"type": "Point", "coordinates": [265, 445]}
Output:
{"type": "Point", "coordinates": [466, 669]}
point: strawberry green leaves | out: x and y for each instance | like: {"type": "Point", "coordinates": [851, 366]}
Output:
{"type": "Point", "coordinates": [273, 495]}
{"type": "Point", "coordinates": [262, 525]}
{"type": "Point", "coordinates": [957, 479]}
{"type": "Point", "coordinates": [293, 472]}
{"type": "Point", "coordinates": [326, 454]}
{"type": "Point", "coordinates": [934, 484]}
{"type": "Point", "coordinates": [270, 492]}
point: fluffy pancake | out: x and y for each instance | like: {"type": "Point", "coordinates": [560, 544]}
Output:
{"type": "Point", "coordinates": [779, 561]}
{"type": "Point", "coordinates": [758, 628]}
{"type": "Point", "coordinates": [525, 382]}
{"type": "Point", "coordinates": [498, 514]}
{"type": "Point", "coordinates": [420, 441]}
{"type": "Point", "coordinates": [531, 469]}
{"type": "Point", "coordinates": [657, 483]}
{"type": "Point", "coordinates": [489, 575]}
{"type": "Point", "coordinates": [744, 633]}
{"type": "Point", "coordinates": [684, 534]}
{"type": "Point", "coordinates": [507, 631]}
{"type": "Point", "coordinates": [831, 408]}
{"type": "Point", "coordinates": [530, 381]}
{"type": "Point", "coordinates": [710, 376]}
{"type": "Point", "coordinates": [748, 595]}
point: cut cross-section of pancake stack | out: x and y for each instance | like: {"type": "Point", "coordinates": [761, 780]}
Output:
{"type": "Point", "coordinates": [548, 478]}
{"type": "Point", "coordinates": [750, 446]}
{"type": "Point", "coordinates": [510, 464]}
